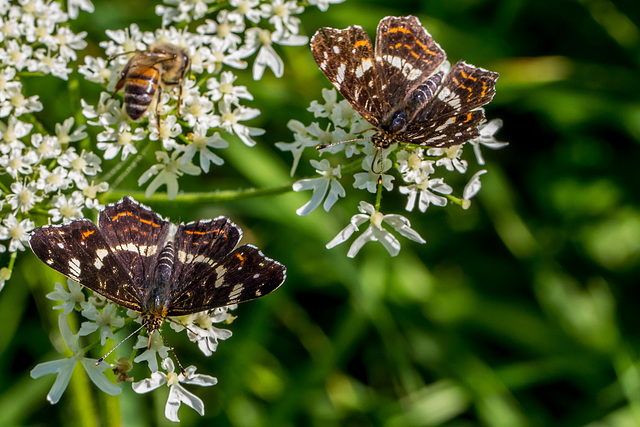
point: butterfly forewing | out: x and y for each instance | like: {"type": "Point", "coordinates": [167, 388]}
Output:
{"type": "Point", "coordinates": [406, 55]}
{"type": "Point", "coordinates": [135, 234]}
{"type": "Point", "coordinates": [79, 251]}
{"type": "Point", "coordinates": [346, 58]}
{"type": "Point", "coordinates": [200, 246]}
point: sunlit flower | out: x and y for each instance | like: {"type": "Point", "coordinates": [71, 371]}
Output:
{"type": "Point", "coordinates": [63, 368]}
{"type": "Point", "coordinates": [177, 393]}
{"type": "Point", "coordinates": [17, 231]}
{"type": "Point", "coordinates": [327, 183]}
{"type": "Point", "coordinates": [375, 232]}
{"type": "Point", "coordinates": [472, 188]}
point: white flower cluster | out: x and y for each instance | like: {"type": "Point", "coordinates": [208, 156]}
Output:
{"type": "Point", "coordinates": [212, 105]}
{"type": "Point", "coordinates": [102, 319]}
{"type": "Point", "coordinates": [38, 167]}
{"type": "Point", "coordinates": [419, 168]}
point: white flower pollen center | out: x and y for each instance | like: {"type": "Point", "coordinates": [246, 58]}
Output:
{"type": "Point", "coordinates": [376, 219]}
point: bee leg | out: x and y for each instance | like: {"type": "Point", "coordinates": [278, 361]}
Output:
{"type": "Point", "coordinates": [158, 101]}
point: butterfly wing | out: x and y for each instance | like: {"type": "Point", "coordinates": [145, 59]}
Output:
{"type": "Point", "coordinates": [136, 236]}
{"type": "Point", "coordinates": [452, 116]}
{"type": "Point", "coordinates": [406, 55]}
{"type": "Point", "coordinates": [346, 58]}
{"type": "Point", "coordinates": [209, 273]}
{"type": "Point", "coordinates": [79, 251]}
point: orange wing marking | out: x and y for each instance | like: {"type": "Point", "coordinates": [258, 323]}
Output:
{"type": "Point", "coordinates": [87, 234]}
{"type": "Point", "coordinates": [241, 258]}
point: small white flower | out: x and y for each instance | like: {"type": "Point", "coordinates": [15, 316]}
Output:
{"type": "Point", "coordinates": [200, 328]}
{"type": "Point", "coordinates": [67, 207]}
{"type": "Point", "coordinates": [90, 192]}
{"type": "Point", "coordinates": [10, 137]}
{"type": "Point", "coordinates": [225, 90]}
{"type": "Point", "coordinates": [167, 171]}
{"type": "Point", "coordinates": [74, 6]}
{"type": "Point", "coordinates": [23, 197]}
{"type": "Point", "coordinates": [375, 232]}
{"type": "Point", "coordinates": [369, 179]}
{"type": "Point", "coordinates": [96, 70]}
{"type": "Point", "coordinates": [472, 188]}
{"type": "Point", "coordinates": [425, 191]}
{"type": "Point", "coordinates": [63, 368]}
{"type": "Point", "coordinates": [153, 348]}
{"type": "Point", "coordinates": [201, 143]}
{"type": "Point", "coordinates": [487, 138]}
{"type": "Point", "coordinates": [105, 321]}
{"type": "Point", "coordinates": [112, 142]}
{"type": "Point", "coordinates": [261, 40]}
{"type": "Point", "coordinates": [413, 167]}
{"type": "Point", "coordinates": [47, 147]}
{"type": "Point", "coordinates": [70, 299]}
{"type": "Point", "coordinates": [17, 104]}
{"type": "Point", "coordinates": [328, 183]}
{"type": "Point", "coordinates": [301, 140]}
{"type": "Point", "coordinates": [177, 393]}
{"type": "Point", "coordinates": [280, 15]}
{"type": "Point", "coordinates": [450, 158]}
{"type": "Point", "coordinates": [18, 162]}
{"type": "Point", "coordinates": [330, 97]}
{"type": "Point", "coordinates": [79, 165]}
{"type": "Point", "coordinates": [248, 8]}
{"type": "Point", "coordinates": [63, 135]}
{"type": "Point", "coordinates": [18, 232]}
{"type": "Point", "coordinates": [228, 120]}
{"type": "Point", "coordinates": [52, 181]}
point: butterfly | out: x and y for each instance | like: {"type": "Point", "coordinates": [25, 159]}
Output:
{"type": "Point", "coordinates": [139, 260]}
{"type": "Point", "coordinates": [402, 88]}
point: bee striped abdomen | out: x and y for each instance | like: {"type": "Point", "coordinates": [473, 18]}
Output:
{"type": "Point", "coordinates": [139, 90]}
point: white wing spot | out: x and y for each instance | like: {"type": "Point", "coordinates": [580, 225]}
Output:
{"type": "Point", "coordinates": [74, 267]}
{"type": "Point", "coordinates": [336, 50]}
{"type": "Point", "coordinates": [61, 246]}
{"type": "Point", "coordinates": [255, 276]}
{"type": "Point", "coordinates": [220, 271]}
{"type": "Point", "coordinates": [340, 75]}
{"type": "Point", "coordinates": [236, 291]}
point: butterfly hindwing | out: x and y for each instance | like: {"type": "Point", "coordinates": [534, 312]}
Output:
{"type": "Point", "coordinates": [243, 275]}
{"type": "Point", "coordinates": [79, 251]}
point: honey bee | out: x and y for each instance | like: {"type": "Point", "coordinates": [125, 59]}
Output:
{"type": "Point", "coordinates": [146, 73]}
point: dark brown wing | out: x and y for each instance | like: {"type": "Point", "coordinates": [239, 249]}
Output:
{"type": "Point", "coordinates": [453, 114]}
{"type": "Point", "coordinates": [346, 58]}
{"type": "Point", "coordinates": [79, 251]}
{"type": "Point", "coordinates": [136, 236]}
{"type": "Point", "coordinates": [406, 56]}
{"type": "Point", "coordinates": [243, 275]}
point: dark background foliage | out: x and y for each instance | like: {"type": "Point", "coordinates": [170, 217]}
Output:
{"type": "Point", "coordinates": [520, 311]}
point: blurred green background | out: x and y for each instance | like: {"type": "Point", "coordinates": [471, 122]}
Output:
{"type": "Point", "coordinates": [521, 311]}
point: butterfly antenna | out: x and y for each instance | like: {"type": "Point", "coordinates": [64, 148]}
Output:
{"type": "Point", "coordinates": [118, 345]}
{"type": "Point", "coordinates": [183, 325]}
{"type": "Point", "coordinates": [175, 356]}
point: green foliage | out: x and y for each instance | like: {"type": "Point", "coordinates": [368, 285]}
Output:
{"type": "Point", "coordinates": [519, 312]}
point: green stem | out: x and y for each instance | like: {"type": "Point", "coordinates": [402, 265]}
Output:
{"type": "Point", "coordinates": [195, 198]}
